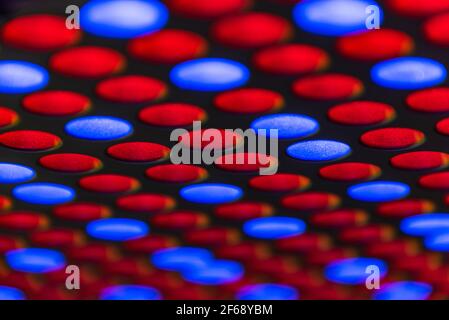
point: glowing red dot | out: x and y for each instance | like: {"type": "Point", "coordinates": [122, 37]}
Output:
{"type": "Point", "coordinates": [171, 114]}
{"type": "Point", "coordinates": [23, 220]}
{"type": "Point", "coordinates": [251, 30]}
{"type": "Point", "coordinates": [138, 151]}
{"type": "Point", "coordinates": [436, 28]}
{"type": "Point", "coordinates": [392, 138]}
{"type": "Point", "coordinates": [443, 126]}
{"type": "Point", "coordinates": [328, 87]}
{"type": "Point", "coordinates": [180, 220]}
{"type": "Point", "coordinates": [245, 162]}
{"type": "Point", "coordinates": [5, 203]}
{"type": "Point", "coordinates": [131, 89]}
{"type": "Point", "coordinates": [149, 244]}
{"type": "Point", "coordinates": [340, 218]}
{"type": "Point", "coordinates": [56, 238]}
{"type": "Point", "coordinates": [168, 46]}
{"type": "Point", "coordinates": [350, 171]}
{"type": "Point", "coordinates": [70, 162]}
{"type": "Point", "coordinates": [212, 138]}
{"type": "Point", "coordinates": [81, 211]}
{"type": "Point", "coordinates": [249, 100]}
{"type": "Point", "coordinates": [311, 201]}
{"type": "Point", "coordinates": [8, 117]}
{"type": "Point", "coordinates": [420, 160]}
{"type": "Point", "coordinates": [291, 59]}
{"type": "Point", "coordinates": [280, 182]}
{"type": "Point", "coordinates": [8, 243]}
{"type": "Point", "coordinates": [438, 181]}
{"type": "Point", "coordinates": [361, 113]}
{"type": "Point", "coordinates": [56, 103]}
{"type": "Point", "coordinates": [30, 140]}
{"type": "Point", "coordinates": [109, 183]}
{"type": "Point", "coordinates": [430, 100]}
{"type": "Point", "coordinates": [244, 210]}
{"type": "Point", "coordinates": [405, 208]}
{"type": "Point", "coordinates": [145, 202]}
{"type": "Point", "coordinates": [206, 9]}
{"type": "Point", "coordinates": [179, 173]}
{"type": "Point", "coordinates": [87, 62]}
{"type": "Point", "coordinates": [418, 8]}
{"type": "Point", "coordinates": [367, 234]}
{"type": "Point", "coordinates": [39, 32]}
{"type": "Point", "coordinates": [216, 236]}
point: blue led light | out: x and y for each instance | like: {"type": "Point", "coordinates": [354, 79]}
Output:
{"type": "Point", "coordinates": [181, 258]}
{"type": "Point", "coordinates": [289, 126]}
{"type": "Point", "coordinates": [211, 193]}
{"type": "Point", "coordinates": [353, 270]}
{"type": "Point", "coordinates": [318, 150]}
{"type": "Point", "coordinates": [408, 73]}
{"type": "Point", "coordinates": [334, 17]}
{"type": "Point", "coordinates": [9, 293]}
{"type": "Point", "coordinates": [35, 260]}
{"type": "Point", "coordinates": [18, 77]}
{"type": "Point", "coordinates": [15, 173]}
{"type": "Point", "coordinates": [209, 74]}
{"type": "Point", "coordinates": [123, 18]}
{"type": "Point", "coordinates": [99, 128]}
{"type": "Point", "coordinates": [215, 273]}
{"type": "Point", "coordinates": [404, 290]}
{"type": "Point", "coordinates": [274, 227]}
{"type": "Point", "coordinates": [130, 292]}
{"type": "Point", "coordinates": [426, 224]}
{"type": "Point", "coordinates": [438, 241]}
{"type": "Point", "coordinates": [268, 291]}
{"type": "Point", "coordinates": [117, 229]}
{"type": "Point", "coordinates": [44, 193]}
{"type": "Point", "coordinates": [379, 191]}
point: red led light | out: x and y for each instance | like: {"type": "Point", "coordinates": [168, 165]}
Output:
{"type": "Point", "coordinates": [311, 201]}
{"type": "Point", "coordinates": [243, 210]}
{"type": "Point", "coordinates": [430, 100]}
{"type": "Point", "coordinates": [342, 218]}
{"type": "Point", "coordinates": [405, 208]}
{"type": "Point", "coordinates": [443, 126]}
{"type": "Point", "coordinates": [180, 220]}
{"type": "Point", "coordinates": [109, 183]}
{"type": "Point", "coordinates": [206, 9]}
{"type": "Point", "coordinates": [145, 202]}
{"type": "Point", "coordinates": [138, 151]}
{"type": "Point", "coordinates": [439, 181]}
{"type": "Point", "coordinates": [361, 113]}
{"type": "Point", "coordinates": [418, 8]}
{"type": "Point", "coordinates": [23, 220]}
{"type": "Point", "coordinates": [420, 160]}
{"type": "Point", "coordinates": [5, 203]}
{"type": "Point", "coordinates": [30, 140]}
{"type": "Point", "coordinates": [70, 162]}
{"type": "Point", "coordinates": [328, 87]}
{"type": "Point", "coordinates": [178, 173]}
{"type": "Point", "coordinates": [172, 114]}
{"type": "Point", "coordinates": [350, 171]}
{"type": "Point", "coordinates": [81, 211]}
{"type": "Point", "coordinates": [280, 182]}
{"type": "Point", "coordinates": [435, 29]}
{"type": "Point", "coordinates": [249, 100]}
{"type": "Point", "coordinates": [244, 162]}
{"type": "Point", "coordinates": [8, 117]}
{"type": "Point", "coordinates": [392, 138]}
{"type": "Point", "coordinates": [56, 103]}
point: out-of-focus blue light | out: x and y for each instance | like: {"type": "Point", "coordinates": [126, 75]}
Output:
{"type": "Point", "coordinates": [181, 258]}
{"type": "Point", "coordinates": [438, 242]}
{"type": "Point", "coordinates": [215, 273]}
{"type": "Point", "coordinates": [379, 191]}
{"type": "Point", "coordinates": [426, 224]}
{"type": "Point", "coordinates": [211, 193]}
{"type": "Point", "coordinates": [98, 128]}
{"type": "Point", "coordinates": [15, 173]}
{"type": "Point", "coordinates": [318, 150]}
{"type": "Point", "coordinates": [274, 227]}
{"type": "Point", "coordinates": [44, 193]}
{"type": "Point", "coordinates": [117, 229]}
{"type": "Point", "coordinates": [17, 77]}
{"type": "Point", "coordinates": [404, 290]}
{"type": "Point", "coordinates": [35, 260]}
{"type": "Point", "coordinates": [289, 126]}
{"type": "Point", "coordinates": [354, 270]}
{"type": "Point", "coordinates": [10, 293]}
{"type": "Point", "coordinates": [268, 291]}
{"type": "Point", "coordinates": [130, 292]}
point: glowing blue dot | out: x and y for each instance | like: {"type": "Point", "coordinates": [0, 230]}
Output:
{"type": "Point", "coordinates": [215, 273]}
{"type": "Point", "coordinates": [130, 292]}
{"type": "Point", "coordinates": [408, 73]}
{"type": "Point", "coordinates": [10, 293]}
{"type": "Point", "coordinates": [211, 193]}
{"type": "Point", "coordinates": [15, 173]}
{"type": "Point", "coordinates": [438, 241]}
{"type": "Point", "coordinates": [117, 229]}
{"type": "Point", "coordinates": [35, 260]}
{"type": "Point", "coordinates": [18, 77]}
{"type": "Point", "coordinates": [334, 17]}
{"type": "Point", "coordinates": [379, 191]}
{"type": "Point", "coordinates": [353, 270]}
{"type": "Point", "coordinates": [209, 74]}
{"type": "Point", "coordinates": [404, 290]}
{"type": "Point", "coordinates": [318, 150]}
{"type": "Point", "coordinates": [44, 193]}
{"type": "Point", "coordinates": [426, 224]}
{"type": "Point", "coordinates": [99, 128]}
{"type": "Point", "coordinates": [289, 126]}
{"type": "Point", "coordinates": [181, 258]}
{"type": "Point", "coordinates": [123, 18]}
{"type": "Point", "coordinates": [274, 227]}
{"type": "Point", "coordinates": [268, 291]}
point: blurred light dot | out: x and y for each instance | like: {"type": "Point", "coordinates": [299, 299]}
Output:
{"type": "Point", "coordinates": [18, 77]}
{"type": "Point", "coordinates": [379, 191]}
{"type": "Point", "coordinates": [211, 193]}
{"type": "Point", "coordinates": [181, 258]}
{"type": "Point", "coordinates": [438, 241]}
{"type": "Point", "coordinates": [289, 126]}
{"type": "Point", "coordinates": [404, 290]}
{"type": "Point", "coordinates": [15, 173]}
{"type": "Point", "coordinates": [130, 292]}
{"type": "Point", "coordinates": [353, 270]}
{"type": "Point", "coordinates": [318, 150]}
{"type": "Point", "coordinates": [10, 293]}
{"type": "Point", "coordinates": [99, 128]}
{"type": "Point", "coordinates": [215, 273]}
{"type": "Point", "coordinates": [268, 291]}
{"type": "Point", "coordinates": [117, 229]}
{"type": "Point", "coordinates": [35, 260]}
{"type": "Point", "coordinates": [274, 227]}
{"type": "Point", "coordinates": [44, 193]}
{"type": "Point", "coordinates": [425, 224]}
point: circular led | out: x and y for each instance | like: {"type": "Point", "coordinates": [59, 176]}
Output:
{"type": "Point", "coordinates": [17, 77]}
{"type": "Point", "coordinates": [9, 293]}
{"type": "Point", "coordinates": [334, 17]}
{"type": "Point", "coordinates": [438, 242]}
{"type": "Point", "coordinates": [404, 290]}
{"type": "Point", "coordinates": [379, 191]}
{"type": "Point", "coordinates": [117, 229]}
{"type": "Point", "coordinates": [216, 273]}
{"type": "Point", "coordinates": [15, 173]}
{"type": "Point", "coordinates": [211, 193]}
{"type": "Point", "coordinates": [35, 260]}
{"type": "Point", "coordinates": [123, 18]}
{"type": "Point", "coordinates": [318, 150]}
{"type": "Point", "coordinates": [289, 126]}
{"type": "Point", "coordinates": [274, 227]}
{"type": "Point", "coordinates": [408, 73]}
{"type": "Point", "coordinates": [267, 291]}
{"type": "Point", "coordinates": [130, 292]}
{"type": "Point", "coordinates": [44, 193]}
{"type": "Point", "coordinates": [209, 74]}
{"type": "Point", "coordinates": [426, 224]}
{"type": "Point", "coordinates": [181, 258]}
{"type": "Point", "coordinates": [353, 270]}
{"type": "Point", "coordinates": [98, 128]}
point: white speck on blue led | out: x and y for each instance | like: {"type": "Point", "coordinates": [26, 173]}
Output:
{"type": "Point", "coordinates": [130, 292]}
{"type": "Point", "coordinates": [333, 17]}
{"type": "Point", "coordinates": [15, 173]}
{"type": "Point", "coordinates": [404, 290]}
{"type": "Point", "coordinates": [438, 242]}
{"type": "Point", "coordinates": [43, 193]}
{"type": "Point", "coordinates": [10, 293]}
{"type": "Point", "coordinates": [117, 229]}
{"type": "Point", "coordinates": [99, 128]}
{"type": "Point", "coordinates": [211, 193]}
{"type": "Point", "coordinates": [408, 73]}
{"type": "Point", "coordinates": [215, 273]}
{"type": "Point", "coordinates": [289, 126]}
{"type": "Point", "coordinates": [35, 260]}
{"type": "Point", "coordinates": [353, 270]}
{"type": "Point", "coordinates": [181, 258]}
{"type": "Point", "coordinates": [274, 227]}
{"type": "Point", "coordinates": [425, 224]}
{"type": "Point", "coordinates": [318, 150]}
{"type": "Point", "coordinates": [209, 74]}
{"type": "Point", "coordinates": [268, 291]}
{"type": "Point", "coordinates": [17, 77]}
{"type": "Point", "coordinates": [379, 191]}
{"type": "Point", "coordinates": [123, 18]}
